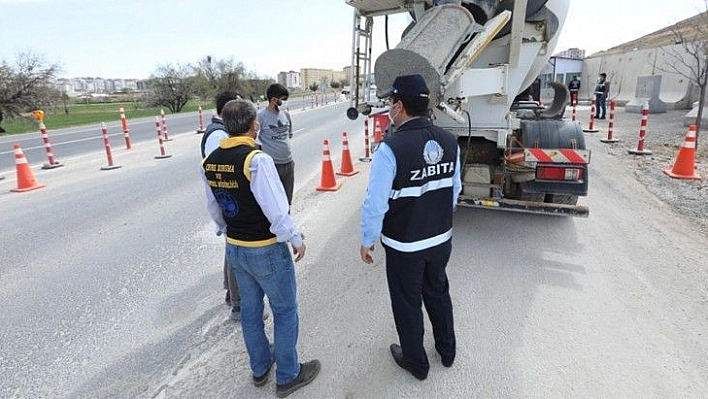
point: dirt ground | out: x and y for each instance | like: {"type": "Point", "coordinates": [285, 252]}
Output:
{"type": "Point", "coordinates": [664, 137]}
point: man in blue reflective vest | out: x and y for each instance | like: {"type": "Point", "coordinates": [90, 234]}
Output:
{"type": "Point", "coordinates": [413, 188]}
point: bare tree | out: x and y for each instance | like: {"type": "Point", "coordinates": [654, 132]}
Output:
{"type": "Point", "coordinates": [171, 86]}
{"type": "Point", "coordinates": [213, 76]}
{"type": "Point", "coordinates": [26, 85]}
{"type": "Point", "coordinates": [689, 56]}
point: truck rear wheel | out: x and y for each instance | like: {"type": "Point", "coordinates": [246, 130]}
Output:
{"type": "Point", "coordinates": [550, 134]}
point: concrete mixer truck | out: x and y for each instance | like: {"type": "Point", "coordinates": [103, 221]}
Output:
{"type": "Point", "coordinates": [477, 56]}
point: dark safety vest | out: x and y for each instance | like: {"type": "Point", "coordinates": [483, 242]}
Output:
{"type": "Point", "coordinates": [228, 175]}
{"type": "Point", "coordinates": [216, 124]}
{"type": "Point", "coordinates": [420, 203]}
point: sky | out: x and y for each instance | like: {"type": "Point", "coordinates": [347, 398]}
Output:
{"type": "Point", "coordinates": [131, 38]}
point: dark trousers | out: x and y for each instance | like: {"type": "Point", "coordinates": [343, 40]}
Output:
{"type": "Point", "coordinates": [230, 284]}
{"type": "Point", "coordinates": [601, 106]}
{"type": "Point", "coordinates": [286, 172]}
{"type": "Point", "coordinates": [413, 278]}
{"type": "Point", "coordinates": [573, 98]}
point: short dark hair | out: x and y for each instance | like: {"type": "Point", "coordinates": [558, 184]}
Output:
{"type": "Point", "coordinates": [277, 90]}
{"type": "Point", "coordinates": [604, 75]}
{"type": "Point", "coordinates": [414, 106]}
{"type": "Point", "coordinates": [238, 116]}
{"type": "Point", "coordinates": [224, 97]}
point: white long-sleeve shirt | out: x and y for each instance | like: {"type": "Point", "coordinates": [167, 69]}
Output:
{"type": "Point", "coordinates": [270, 196]}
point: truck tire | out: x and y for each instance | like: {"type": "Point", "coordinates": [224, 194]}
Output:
{"type": "Point", "coordinates": [551, 134]}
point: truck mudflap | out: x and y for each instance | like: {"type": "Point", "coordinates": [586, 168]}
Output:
{"type": "Point", "coordinates": [543, 208]}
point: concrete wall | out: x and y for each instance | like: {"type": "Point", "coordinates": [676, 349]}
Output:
{"type": "Point", "coordinates": [623, 69]}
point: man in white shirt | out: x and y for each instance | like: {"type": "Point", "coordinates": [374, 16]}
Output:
{"type": "Point", "coordinates": [246, 199]}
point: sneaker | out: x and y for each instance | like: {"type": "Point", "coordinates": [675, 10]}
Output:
{"type": "Point", "coordinates": [262, 380]}
{"type": "Point", "coordinates": [308, 372]}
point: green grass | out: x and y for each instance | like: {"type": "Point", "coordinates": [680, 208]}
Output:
{"type": "Point", "coordinates": [87, 114]}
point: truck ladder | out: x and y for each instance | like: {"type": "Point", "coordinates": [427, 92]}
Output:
{"type": "Point", "coordinates": [361, 58]}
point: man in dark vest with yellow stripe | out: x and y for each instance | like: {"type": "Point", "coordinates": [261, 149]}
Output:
{"type": "Point", "coordinates": [247, 201]}
{"type": "Point", "coordinates": [413, 188]}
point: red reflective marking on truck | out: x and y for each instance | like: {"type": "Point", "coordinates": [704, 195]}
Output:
{"type": "Point", "coordinates": [540, 155]}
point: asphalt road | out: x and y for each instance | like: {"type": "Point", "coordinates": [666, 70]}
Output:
{"type": "Point", "coordinates": [71, 142]}
{"type": "Point", "coordinates": [111, 286]}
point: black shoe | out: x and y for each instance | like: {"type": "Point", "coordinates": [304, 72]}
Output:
{"type": "Point", "coordinates": [397, 354]}
{"type": "Point", "coordinates": [308, 372]}
{"type": "Point", "coordinates": [262, 380]}
{"type": "Point", "coordinates": [447, 361]}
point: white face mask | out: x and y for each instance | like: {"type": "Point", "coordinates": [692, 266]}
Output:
{"type": "Point", "coordinates": [391, 117]}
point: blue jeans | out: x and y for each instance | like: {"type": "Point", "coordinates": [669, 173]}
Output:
{"type": "Point", "coordinates": [601, 105]}
{"type": "Point", "coordinates": [268, 270]}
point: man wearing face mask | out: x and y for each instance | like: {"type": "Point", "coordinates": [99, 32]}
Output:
{"type": "Point", "coordinates": [248, 203]}
{"type": "Point", "coordinates": [413, 188]}
{"type": "Point", "coordinates": [276, 132]}
{"type": "Point", "coordinates": [601, 91]}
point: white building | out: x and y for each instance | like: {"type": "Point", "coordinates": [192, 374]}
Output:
{"type": "Point", "coordinates": [290, 79]}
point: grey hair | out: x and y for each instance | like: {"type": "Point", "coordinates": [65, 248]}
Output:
{"type": "Point", "coordinates": [238, 116]}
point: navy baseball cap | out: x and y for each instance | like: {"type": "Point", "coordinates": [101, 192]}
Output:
{"type": "Point", "coordinates": [408, 86]}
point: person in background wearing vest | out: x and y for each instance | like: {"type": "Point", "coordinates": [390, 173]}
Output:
{"type": "Point", "coordinates": [275, 135]}
{"type": "Point", "coordinates": [574, 88]}
{"type": "Point", "coordinates": [213, 134]}
{"type": "Point", "coordinates": [602, 89]}
{"type": "Point", "coordinates": [247, 201]}
{"type": "Point", "coordinates": [413, 188]}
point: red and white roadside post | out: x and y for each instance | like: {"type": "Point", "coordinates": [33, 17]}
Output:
{"type": "Point", "coordinates": [165, 137]}
{"type": "Point", "coordinates": [573, 113]}
{"type": "Point", "coordinates": [591, 128]}
{"type": "Point", "coordinates": [126, 130]}
{"type": "Point", "coordinates": [640, 150]}
{"type": "Point", "coordinates": [367, 154]}
{"type": "Point", "coordinates": [52, 163]}
{"type": "Point", "coordinates": [163, 153]}
{"type": "Point", "coordinates": [611, 125]}
{"type": "Point", "coordinates": [107, 145]}
{"type": "Point", "coordinates": [200, 122]}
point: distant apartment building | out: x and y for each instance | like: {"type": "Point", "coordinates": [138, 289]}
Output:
{"type": "Point", "coordinates": [81, 86]}
{"type": "Point", "coordinates": [572, 53]}
{"type": "Point", "coordinates": [64, 85]}
{"type": "Point", "coordinates": [290, 79]}
{"type": "Point", "coordinates": [340, 77]}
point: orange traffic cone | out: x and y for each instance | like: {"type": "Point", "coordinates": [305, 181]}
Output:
{"type": "Point", "coordinates": [328, 181]}
{"type": "Point", "coordinates": [684, 167]}
{"type": "Point", "coordinates": [347, 168]}
{"type": "Point", "coordinates": [25, 178]}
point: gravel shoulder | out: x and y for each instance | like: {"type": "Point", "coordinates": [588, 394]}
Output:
{"type": "Point", "coordinates": [664, 137]}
